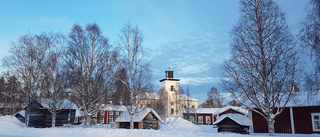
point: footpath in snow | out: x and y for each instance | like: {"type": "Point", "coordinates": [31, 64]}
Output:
{"type": "Point", "coordinates": [12, 127]}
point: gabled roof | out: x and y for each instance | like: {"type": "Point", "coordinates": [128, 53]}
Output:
{"type": "Point", "coordinates": [148, 95]}
{"type": "Point", "coordinates": [201, 110]}
{"type": "Point", "coordinates": [21, 112]}
{"type": "Point", "coordinates": [140, 114]}
{"type": "Point", "coordinates": [238, 118]}
{"type": "Point", "coordinates": [61, 104]}
{"type": "Point", "coordinates": [239, 109]}
{"type": "Point", "coordinates": [109, 107]}
{"type": "Point", "coordinates": [185, 97]}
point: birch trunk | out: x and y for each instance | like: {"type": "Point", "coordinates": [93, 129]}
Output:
{"type": "Point", "coordinates": [131, 121]}
{"type": "Point", "coordinates": [88, 120]}
{"type": "Point", "coordinates": [54, 115]}
{"type": "Point", "coordinates": [271, 126]}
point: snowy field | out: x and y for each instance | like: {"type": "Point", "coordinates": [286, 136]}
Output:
{"type": "Point", "coordinates": [11, 127]}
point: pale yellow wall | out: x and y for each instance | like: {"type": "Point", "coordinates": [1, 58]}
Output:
{"type": "Point", "coordinates": [173, 95]}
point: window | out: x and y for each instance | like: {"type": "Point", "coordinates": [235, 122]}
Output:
{"type": "Point", "coordinates": [208, 120]}
{"type": "Point", "coordinates": [111, 113]}
{"type": "Point", "coordinates": [172, 111]}
{"type": "Point", "coordinates": [200, 119]}
{"type": "Point", "coordinates": [76, 120]}
{"type": "Point", "coordinates": [101, 117]}
{"type": "Point", "coordinates": [110, 119]}
{"type": "Point", "coordinates": [117, 113]}
{"type": "Point", "coordinates": [315, 121]}
{"type": "Point", "coordinates": [192, 119]}
{"type": "Point", "coordinates": [171, 87]}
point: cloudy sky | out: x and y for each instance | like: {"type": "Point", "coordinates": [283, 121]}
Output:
{"type": "Point", "coordinates": [189, 36]}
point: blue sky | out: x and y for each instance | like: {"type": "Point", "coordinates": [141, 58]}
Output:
{"type": "Point", "coordinates": [191, 37]}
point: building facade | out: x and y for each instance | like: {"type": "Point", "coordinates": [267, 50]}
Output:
{"type": "Point", "coordinates": [173, 101]}
{"type": "Point", "coordinates": [294, 120]}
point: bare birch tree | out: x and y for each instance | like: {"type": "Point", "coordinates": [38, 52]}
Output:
{"type": "Point", "coordinates": [25, 61]}
{"type": "Point", "coordinates": [214, 99]}
{"type": "Point", "coordinates": [51, 83]}
{"type": "Point", "coordinates": [134, 59]}
{"type": "Point", "coordinates": [310, 40]}
{"type": "Point", "coordinates": [89, 60]}
{"type": "Point", "coordinates": [263, 66]}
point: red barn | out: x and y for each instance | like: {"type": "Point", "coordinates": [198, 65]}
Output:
{"type": "Point", "coordinates": [109, 114]}
{"type": "Point", "coordinates": [207, 116]}
{"type": "Point", "coordinates": [106, 115]}
{"type": "Point", "coordinates": [294, 119]}
{"type": "Point", "coordinates": [200, 116]}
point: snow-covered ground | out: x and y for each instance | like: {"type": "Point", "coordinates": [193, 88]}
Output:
{"type": "Point", "coordinates": [11, 127]}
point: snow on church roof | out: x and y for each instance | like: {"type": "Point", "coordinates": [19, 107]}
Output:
{"type": "Point", "coordinates": [238, 118]}
{"type": "Point", "coordinates": [148, 95]}
{"type": "Point", "coordinates": [138, 116]}
{"type": "Point", "coordinates": [185, 97]}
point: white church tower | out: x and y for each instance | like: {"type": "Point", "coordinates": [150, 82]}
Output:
{"type": "Point", "coordinates": [170, 88]}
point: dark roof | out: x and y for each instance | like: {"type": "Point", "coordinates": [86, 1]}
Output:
{"type": "Point", "coordinates": [172, 79]}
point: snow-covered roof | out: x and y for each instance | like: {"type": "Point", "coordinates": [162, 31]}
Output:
{"type": "Point", "coordinates": [79, 113]}
{"type": "Point", "coordinates": [201, 110]}
{"type": "Point", "coordinates": [137, 116]}
{"type": "Point", "coordinates": [239, 109]}
{"type": "Point", "coordinates": [109, 107]}
{"type": "Point", "coordinates": [185, 97]}
{"type": "Point", "coordinates": [61, 103]}
{"type": "Point", "coordinates": [305, 98]}
{"type": "Point", "coordinates": [238, 118]}
{"type": "Point", "coordinates": [148, 95]}
{"type": "Point", "coordinates": [22, 113]}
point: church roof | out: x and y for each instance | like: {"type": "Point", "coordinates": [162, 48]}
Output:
{"type": "Point", "coordinates": [185, 97]}
{"type": "Point", "coordinates": [172, 79]}
{"type": "Point", "coordinates": [148, 95]}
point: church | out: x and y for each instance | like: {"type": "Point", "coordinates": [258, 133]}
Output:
{"type": "Point", "coordinates": [172, 101]}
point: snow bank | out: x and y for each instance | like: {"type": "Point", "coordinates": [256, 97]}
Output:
{"type": "Point", "coordinates": [12, 127]}
{"type": "Point", "coordinates": [9, 123]}
{"type": "Point", "coordinates": [180, 125]}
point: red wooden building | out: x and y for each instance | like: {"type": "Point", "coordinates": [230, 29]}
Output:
{"type": "Point", "coordinates": [107, 114]}
{"type": "Point", "coordinates": [295, 120]}
{"type": "Point", "coordinates": [207, 116]}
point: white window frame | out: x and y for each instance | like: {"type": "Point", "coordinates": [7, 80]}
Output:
{"type": "Point", "coordinates": [117, 113]}
{"type": "Point", "coordinates": [200, 119]}
{"type": "Point", "coordinates": [192, 119]}
{"type": "Point", "coordinates": [101, 117]}
{"type": "Point", "coordinates": [111, 119]}
{"type": "Point", "coordinates": [76, 120]}
{"type": "Point", "coordinates": [111, 113]}
{"type": "Point", "coordinates": [313, 120]}
{"type": "Point", "coordinates": [208, 120]}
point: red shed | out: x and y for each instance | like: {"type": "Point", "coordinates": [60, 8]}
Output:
{"type": "Point", "coordinates": [295, 119]}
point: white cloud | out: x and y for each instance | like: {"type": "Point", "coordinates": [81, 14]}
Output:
{"type": "Point", "coordinates": [195, 68]}
{"type": "Point", "coordinates": [199, 80]}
